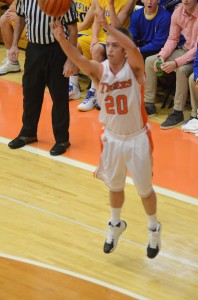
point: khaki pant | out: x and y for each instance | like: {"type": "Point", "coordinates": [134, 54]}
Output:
{"type": "Point", "coordinates": [182, 75]}
{"type": "Point", "coordinates": [193, 96]}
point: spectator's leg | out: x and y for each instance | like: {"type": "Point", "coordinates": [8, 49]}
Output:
{"type": "Point", "coordinates": [181, 93]}
{"type": "Point", "coordinates": [90, 101]}
{"type": "Point", "coordinates": [98, 52]}
{"type": "Point", "coordinates": [151, 80]}
{"type": "Point", "coordinates": [182, 75]}
{"type": "Point", "coordinates": [6, 31]}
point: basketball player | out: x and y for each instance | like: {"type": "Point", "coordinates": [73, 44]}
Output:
{"type": "Point", "coordinates": [126, 139]}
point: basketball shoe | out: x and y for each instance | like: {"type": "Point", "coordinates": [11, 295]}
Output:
{"type": "Point", "coordinates": [9, 67]}
{"type": "Point", "coordinates": [154, 243]}
{"type": "Point", "coordinates": [74, 91]}
{"type": "Point", "coordinates": [89, 102]}
{"type": "Point", "coordinates": [113, 235]}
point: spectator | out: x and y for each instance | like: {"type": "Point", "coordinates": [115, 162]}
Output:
{"type": "Point", "coordinates": [6, 26]}
{"type": "Point", "coordinates": [117, 13]}
{"type": "Point", "coordinates": [179, 59]}
{"type": "Point", "coordinates": [149, 26]}
{"type": "Point", "coordinates": [45, 65]}
{"type": "Point", "coordinates": [193, 85]}
{"type": "Point", "coordinates": [85, 9]}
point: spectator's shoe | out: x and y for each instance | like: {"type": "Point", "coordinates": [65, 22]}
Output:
{"type": "Point", "coordinates": [21, 141]}
{"type": "Point", "coordinates": [97, 106]}
{"type": "Point", "coordinates": [9, 67]}
{"type": "Point", "coordinates": [113, 235]}
{"type": "Point", "coordinates": [186, 121]}
{"type": "Point", "coordinates": [59, 148]}
{"type": "Point", "coordinates": [89, 103]}
{"type": "Point", "coordinates": [150, 109]}
{"type": "Point", "coordinates": [74, 91]}
{"type": "Point", "coordinates": [173, 120]}
{"type": "Point", "coordinates": [154, 243]}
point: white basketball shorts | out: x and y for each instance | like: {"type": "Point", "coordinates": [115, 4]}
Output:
{"type": "Point", "coordinates": [122, 153]}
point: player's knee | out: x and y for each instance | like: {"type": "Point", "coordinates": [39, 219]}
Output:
{"type": "Point", "coordinates": [98, 53]}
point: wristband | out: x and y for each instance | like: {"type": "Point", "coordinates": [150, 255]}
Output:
{"type": "Point", "coordinates": [176, 63]}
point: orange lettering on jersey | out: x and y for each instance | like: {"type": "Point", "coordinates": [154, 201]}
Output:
{"type": "Point", "coordinates": [118, 105]}
{"type": "Point", "coordinates": [105, 87]}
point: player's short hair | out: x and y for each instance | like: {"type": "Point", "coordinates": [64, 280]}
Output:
{"type": "Point", "coordinates": [126, 31]}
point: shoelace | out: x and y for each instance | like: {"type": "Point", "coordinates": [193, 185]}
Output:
{"type": "Point", "coordinates": [90, 94]}
{"type": "Point", "coordinates": [153, 239]}
{"type": "Point", "coordinates": [70, 87]}
{"type": "Point", "coordinates": [5, 61]}
{"type": "Point", "coordinates": [110, 234]}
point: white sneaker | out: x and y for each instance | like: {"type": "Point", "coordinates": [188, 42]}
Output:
{"type": "Point", "coordinates": [113, 235]}
{"type": "Point", "coordinates": [154, 243]}
{"type": "Point", "coordinates": [74, 91]}
{"type": "Point", "coordinates": [89, 102]}
{"type": "Point", "coordinates": [9, 67]}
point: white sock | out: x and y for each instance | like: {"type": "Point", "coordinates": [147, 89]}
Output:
{"type": "Point", "coordinates": [7, 52]}
{"type": "Point", "coordinates": [74, 79]}
{"type": "Point", "coordinates": [152, 221]}
{"type": "Point", "coordinates": [92, 88]}
{"type": "Point", "coordinates": [115, 215]}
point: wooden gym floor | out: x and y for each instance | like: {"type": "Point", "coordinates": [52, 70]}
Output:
{"type": "Point", "coordinates": [54, 213]}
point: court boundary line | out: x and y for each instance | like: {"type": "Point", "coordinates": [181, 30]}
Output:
{"type": "Point", "coordinates": [76, 275]}
{"type": "Point", "coordinates": [181, 260]}
{"type": "Point", "coordinates": [91, 168]}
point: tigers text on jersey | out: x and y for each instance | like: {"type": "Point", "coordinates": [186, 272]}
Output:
{"type": "Point", "coordinates": [120, 99]}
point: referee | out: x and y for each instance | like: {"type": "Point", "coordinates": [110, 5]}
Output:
{"type": "Point", "coordinates": [45, 65]}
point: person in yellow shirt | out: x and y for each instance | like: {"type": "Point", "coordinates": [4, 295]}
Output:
{"type": "Point", "coordinates": [85, 12]}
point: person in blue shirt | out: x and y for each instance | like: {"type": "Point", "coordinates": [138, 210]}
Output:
{"type": "Point", "coordinates": [149, 26]}
{"type": "Point", "coordinates": [193, 86]}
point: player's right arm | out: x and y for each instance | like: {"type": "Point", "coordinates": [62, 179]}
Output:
{"type": "Point", "coordinates": [91, 68]}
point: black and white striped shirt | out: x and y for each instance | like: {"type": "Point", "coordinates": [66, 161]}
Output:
{"type": "Point", "coordinates": [37, 23]}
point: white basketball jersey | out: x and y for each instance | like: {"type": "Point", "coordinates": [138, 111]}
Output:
{"type": "Point", "coordinates": [120, 100]}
